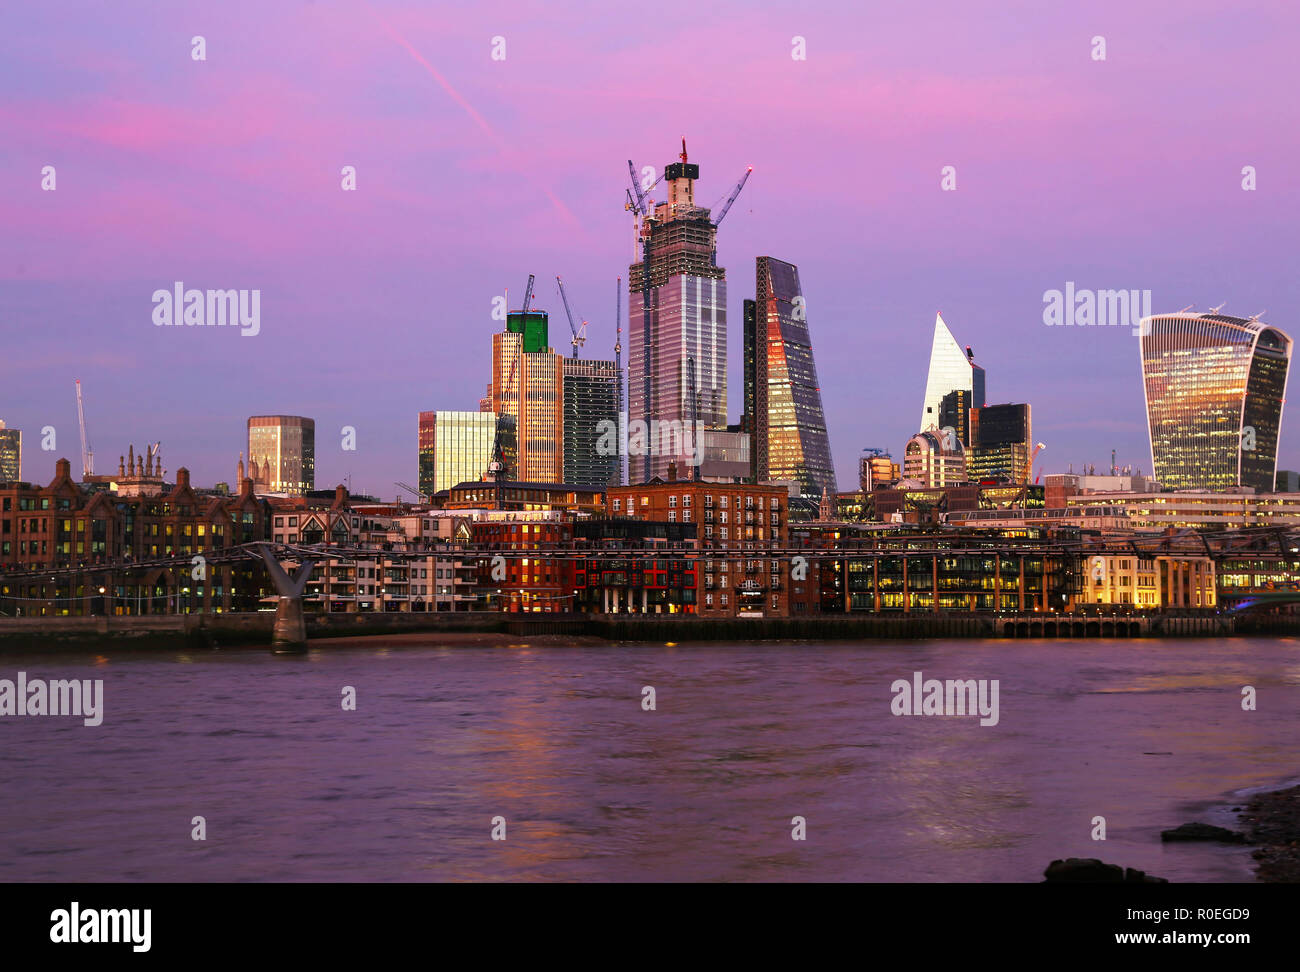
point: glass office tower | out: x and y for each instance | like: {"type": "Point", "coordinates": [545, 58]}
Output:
{"type": "Point", "coordinates": [951, 368]}
{"type": "Point", "coordinates": [455, 447]}
{"type": "Point", "coordinates": [11, 454]}
{"type": "Point", "coordinates": [527, 398]}
{"type": "Point", "coordinates": [790, 427]}
{"type": "Point", "coordinates": [1214, 390]}
{"type": "Point", "coordinates": [284, 445]}
{"type": "Point", "coordinates": [590, 397]}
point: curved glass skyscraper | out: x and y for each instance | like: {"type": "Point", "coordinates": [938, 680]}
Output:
{"type": "Point", "coordinates": [1214, 391]}
{"type": "Point", "coordinates": [791, 443]}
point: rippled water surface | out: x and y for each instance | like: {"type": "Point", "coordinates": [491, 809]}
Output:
{"type": "Point", "coordinates": [1147, 734]}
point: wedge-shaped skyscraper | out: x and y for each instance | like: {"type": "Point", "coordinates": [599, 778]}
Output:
{"type": "Point", "coordinates": [1214, 391]}
{"type": "Point", "coordinates": [789, 425]}
{"type": "Point", "coordinates": [951, 369]}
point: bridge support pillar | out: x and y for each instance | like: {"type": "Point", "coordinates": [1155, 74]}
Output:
{"type": "Point", "coordinates": [290, 632]}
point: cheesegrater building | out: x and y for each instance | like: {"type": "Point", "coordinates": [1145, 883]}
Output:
{"type": "Point", "coordinates": [782, 393]}
{"type": "Point", "coordinates": [1214, 389]}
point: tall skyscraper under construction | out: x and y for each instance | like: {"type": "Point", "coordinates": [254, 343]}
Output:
{"type": "Point", "coordinates": [781, 387]}
{"type": "Point", "coordinates": [677, 315]}
{"type": "Point", "coordinates": [1214, 391]}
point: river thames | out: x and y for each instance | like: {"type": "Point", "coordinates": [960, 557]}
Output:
{"type": "Point", "coordinates": [590, 785]}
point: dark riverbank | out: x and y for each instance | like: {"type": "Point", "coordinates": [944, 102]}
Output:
{"type": "Point", "coordinates": [1272, 821]}
{"type": "Point", "coordinates": [198, 632]}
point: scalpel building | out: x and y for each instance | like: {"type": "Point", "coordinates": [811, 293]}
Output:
{"type": "Point", "coordinates": [1214, 392]}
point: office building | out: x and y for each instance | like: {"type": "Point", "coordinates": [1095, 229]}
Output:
{"type": "Point", "coordinates": [454, 447]}
{"type": "Point", "coordinates": [954, 413]}
{"type": "Point", "coordinates": [934, 460]}
{"type": "Point", "coordinates": [790, 440]}
{"type": "Point", "coordinates": [11, 454]}
{"type": "Point", "coordinates": [590, 398]}
{"type": "Point", "coordinates": [951, 369]}
{"type": "Point", "coordinates": [677, 313]}
{"type": "Point", "coordinates": [534, 326]}
{"type": "Point", "coordinates": [528, 398]}
{"type": "Point", "coordinates": [999, 443]}
{"type": "Point", "coordinates": [284, 448]}
{"type": "Point", "coordinates": [876, 470]}
{"type": "Point", "coordinates": [727, 456]}
{"type": "Point", "coordinates": [1214, 390]}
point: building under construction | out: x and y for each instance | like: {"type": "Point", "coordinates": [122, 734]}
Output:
{"type": "Point", "coordinates": [677, 310]}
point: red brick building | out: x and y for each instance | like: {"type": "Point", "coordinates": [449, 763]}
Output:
{"type": "Point", "coordinates": [64, 525]}
{"type": "Point", "coordinates": [739, 525]}
{"type": "Point", "coordinates": [519, 583]}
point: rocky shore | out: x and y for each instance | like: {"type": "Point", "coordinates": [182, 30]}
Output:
{"type": "Point", "coordinates": [1271, 821]}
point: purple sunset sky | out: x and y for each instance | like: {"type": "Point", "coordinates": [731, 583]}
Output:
{"type": "Point", "coordinates": [472, 173]}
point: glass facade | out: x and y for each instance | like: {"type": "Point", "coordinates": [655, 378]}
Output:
{"type": "Point", "coordinates": [455, 447]}
{"type": "Point", "coordinates": [790, 436]}
{"type": "Point", "coordinates": [1000, 438]}
{"type": "Point", "coordinates": [950, 369]}
{"type": "Point", "coordinates": [533, 326]}
{"type": "Point", "coordinates": [685, 316]}
{"type": "Point", "coordinates": [1214, 391]}
{"type": "Point", "coordinates": [11, 454]}
{"type": "Point", "coordinates": [590, 397]}
{"type": "Point", "coordinates": [285, 445]}
{"type": "Point", "coordinates": [527, 396]}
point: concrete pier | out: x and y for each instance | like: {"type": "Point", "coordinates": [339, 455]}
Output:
{"type": "Point", "coordinates": [289, 635]}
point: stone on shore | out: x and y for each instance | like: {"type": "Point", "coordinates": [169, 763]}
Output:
{"type": "Point", "coordinates": [1203, 831]}
{"type": "Point", "coordinates": [1089, 870]}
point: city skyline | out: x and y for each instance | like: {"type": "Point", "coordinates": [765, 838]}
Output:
{"type": "Point", "coordinates": [1068, 171]}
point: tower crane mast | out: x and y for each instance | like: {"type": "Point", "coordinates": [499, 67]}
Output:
{"type": "Point", "coordinates": [579, 335]}
{"type": "Point", "coordinates": [87, 456]}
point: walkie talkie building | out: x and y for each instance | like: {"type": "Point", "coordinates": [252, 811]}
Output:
{"type": "Point", "coordinates": [1214, 392]}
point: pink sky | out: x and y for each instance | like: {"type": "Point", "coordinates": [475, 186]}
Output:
{"type": "Point", "coordinates": [473, 173]}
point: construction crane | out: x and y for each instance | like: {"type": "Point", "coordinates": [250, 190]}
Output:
{"type": "Point", "coordinates": [638, 206]}
{"type": "Point", "coordinates": [497, 465]}
{"type": "Point", "coordinates": [1029, 466]}
{"type": "Point", "coordinates": [87, 456]}
{"type": "Point", "coordinates": [640, 203]}
{"type": "Point", "coordinates": [528, 293]}
{"type": "Point", "coordinates": [726, 207]}
{"type": "Point", "coordinates": [618, 365]}
{"type": "Point", "coordinates": [732, 198]}
{"type": "Point", "coordinates": [413, 491]}
{"type": "Point", "coordinates": [579, 335]}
